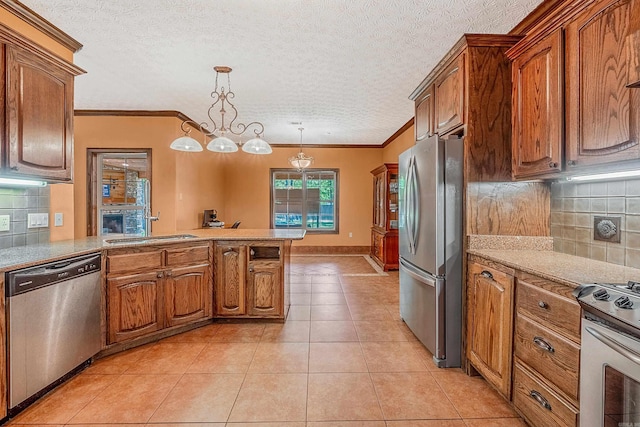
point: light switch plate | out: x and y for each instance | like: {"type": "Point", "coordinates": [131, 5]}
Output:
{"type": "Point", "coordinates": [57, 221]}
{"type": "Point", "coordinates": [37, 220]}
{"type": "Point", "coordinates": [4, 222]}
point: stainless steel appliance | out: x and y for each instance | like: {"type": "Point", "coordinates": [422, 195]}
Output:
{"type": "Point", "coordinates": [610, 355]}
{"type": "Point", "coordinates": [53, 313]}
{"type": "Point", "coordinates": [430, 233]}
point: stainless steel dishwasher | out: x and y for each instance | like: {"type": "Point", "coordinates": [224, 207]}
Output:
{"type": "Point", "coordinates": [53, 314]}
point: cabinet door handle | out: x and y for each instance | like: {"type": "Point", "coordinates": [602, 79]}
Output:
{"type": "Point", "coordinates": [541, 400]}
{"type": "Point", "coordinates": [487, 274]}
{"type": "Point", "coordinates": [543, 344]}
{"type": "Point", "coordinates": [543, 304]}
{"type": "Point", "coordinates": [553, 165]}
{"type": "Point", "coordinates": [169, 273]}
{"type": "Point", "coordinates": [159, 275]}
{"type": "Point", "coordinates": [251, 270]}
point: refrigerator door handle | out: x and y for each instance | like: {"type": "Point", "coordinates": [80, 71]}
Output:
{"type": "Point", "coordinates": [408, 212]}
{"type": "Point", "coordinates": [415, 204]}
{"type": "Point", "coordinates": [417, 274]}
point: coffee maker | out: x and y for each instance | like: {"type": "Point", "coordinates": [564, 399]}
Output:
{"type": "Point", "coordinates": [210, 219]}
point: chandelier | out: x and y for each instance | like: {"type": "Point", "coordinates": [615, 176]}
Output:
{"type": "Point", "coordinates": [300, 161]}
{"type": "Point", "coordinates": [220, 143]}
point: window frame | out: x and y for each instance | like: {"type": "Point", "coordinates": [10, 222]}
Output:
{"type": "Point", "coordinates": [336, 199]}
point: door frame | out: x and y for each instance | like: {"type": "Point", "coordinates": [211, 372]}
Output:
{"type": "Point", "coordinates": [92, 179]}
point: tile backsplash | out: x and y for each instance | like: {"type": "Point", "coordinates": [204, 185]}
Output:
{"type": "Point", "coordinates": [18, 203]}
{"type": "Point", "coordinates": [573, 208]}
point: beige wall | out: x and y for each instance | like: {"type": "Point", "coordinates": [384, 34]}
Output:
{"type": "Point", "coordinates": [404, 141]}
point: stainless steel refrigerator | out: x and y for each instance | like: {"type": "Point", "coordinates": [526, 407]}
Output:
{"type": "Point", "coordinates": [430, 230]}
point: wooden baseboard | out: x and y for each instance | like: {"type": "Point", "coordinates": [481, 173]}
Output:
{"type": "Point", "coordinates": [355, 250]}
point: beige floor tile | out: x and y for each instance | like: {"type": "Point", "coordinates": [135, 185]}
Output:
{"type": "Point", "coordinates": [299, 312]}
{"type": "Point", "coordinates": [118, 363]}
{"type": "Point", "coordinates": [280, 358]}
{"type": "Point", "coordinates": [300, 299]}
{"type": "Point", "coordinates": [375, 330]}
{"type": "Point", "coordinates": [495, 422]}
{"type": "Point", "coordinates": [392, 357]}
{"type": "Point", "coordinates": [129, 399]}
{"type": "Point", "coordinates": [369, 312]}
{"type": "Point", "coordinates": [406, 331]}
{"type": "Point", "coordinates": [363, 299]}
{"type": "Point", "coordinates": [332, 331]}
{"type": "Point", "coordinates": [425, 355]}
{"type": "Point", "coordinates": [290, 331]}
{"type": "Point", "coordinates": [346, 424]}
{"type": "Point", "coordinates": [323, 288]}
{"type": "Point", "coordinates": [472, 396]}
{"type": "Point", "coordinates": [239, 332]}
{"type": "Point", "coordinates": [336, 357]}
{"type": "Point", "coordinates": [300, 288]}
{"type": "Point", "coordinates": [172, 425]}
{"type": "Point", "coordinates": [325, 278]}
{"type": "Point", "coordinates": [203, 334]}
{"type": "Point", "coordinates": [330, 312]}
{"type": "Point", "coordinates": [339, 396]}
{"type": "Point", "coordinates": [66, 401]}
{"type": "Point", "coordinates": [394, 311]}
{"type": "Point", "coordinates": [224, 358]}
{"type": "Point", "coordinates": [412, 395]}
{"type": "Point", "coordinates": [328, 298]}
{"type": "Point", "coordinates": [167, 358]}
{"type": "Point", "coordinates": [271, 398]}
{"type": "Point", "coordinates": [427, 423]}
{"type": "Point", "coordinates": [200, 398]}
{"type": "Point", "coordinates": [278, 424]}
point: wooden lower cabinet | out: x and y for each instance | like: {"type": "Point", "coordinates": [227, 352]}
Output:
{"type": "Point", "coordinates": [490, 323]}
{"type": "Point", "coordinates": [186, 294]}
{"type": "Point", "coordinates": [135, 305]}
{"type": "Point", "coordinates": [265, 289]}
{"type": "Point", "coordinates": [153, 288]}
{"type": "Point", "coordinates": [230, 277]}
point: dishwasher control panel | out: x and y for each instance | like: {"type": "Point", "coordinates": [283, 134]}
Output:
{"type": "Point", "coordinates": [30, 278]}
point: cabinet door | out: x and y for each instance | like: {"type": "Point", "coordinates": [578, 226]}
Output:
{"type": "Point", "coordinates": [264, 289]}
{"type": "Point", "coordinates": [39, 110]}
{"type": "Point", "coordinates": [449, 97]}
{"type": "Point", "coordinates": [490, 324]}
{"type": "Point", "coordinates": [537, 114]}
{"type": "Point", "coordinates": [187, 294]}
{"type": "Point", "coordinates": [603, 114]}
{"type": "Point", "coordinates": [135, 305]}
{"type": "Point", "coordinates": [424, 115]}
{"type": "Point", "coordinates": [230, 280]}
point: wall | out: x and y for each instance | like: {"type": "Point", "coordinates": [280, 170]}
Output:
{"type": "Point", "coordinates": [247, 190]}
{"type": "Point", "coordinates": [18, 203]}
{"type": "Point", "coordinates": [403, 142]}
{"type": "Point", "coordinates": [173, 173]}
{"type": "Point", "coordinates": [573, 206]}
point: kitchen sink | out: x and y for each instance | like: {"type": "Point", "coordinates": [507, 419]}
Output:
{"type": "Point", "coordinates": [145, 239]}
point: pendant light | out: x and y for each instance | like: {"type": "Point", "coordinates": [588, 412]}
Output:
{"type": "Point", "coordinates": [301, 161]}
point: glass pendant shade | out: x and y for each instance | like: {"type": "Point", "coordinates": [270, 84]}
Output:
{"type": "Point", "coordinates": [300, 161]}
{"type": "Point", "coordinates": [257, 146]}
{"type": "Point", "coordinates": [186, 143]}
{"type": "Point", "coordinates": [222, 144]}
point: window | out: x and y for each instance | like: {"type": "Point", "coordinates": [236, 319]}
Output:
{"type": "Point", "coordinates": [307, 199]}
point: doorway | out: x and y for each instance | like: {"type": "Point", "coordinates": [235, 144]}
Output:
{"type": "Point", "coordinates": [119, 192]}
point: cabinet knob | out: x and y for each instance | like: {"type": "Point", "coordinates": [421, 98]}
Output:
{"type": "Point", "coordinates": [543, 344]}
{"type": "Point", "coordinates": [159, 275]}
{"type": "Point", "coordinates": [251, 270]}
{"type": "Point", "coordinates": [541, 400]}
{"type": "Point", "coordinates": [487, 274]}
{"type": "Point", "coordinates": [169, 273]}
{"type": "Point", "coordinates": [543, 304]}
{"type": "Point", "coordinates": [553, 165]}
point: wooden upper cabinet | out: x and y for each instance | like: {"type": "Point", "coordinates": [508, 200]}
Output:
{"type": "Point", "coordinates": [187, 294]}
{"type": "Point", "coordinates": [537, 112]}
{"type": "Point", "coordinates": [230, 280]}
{"type": "Point", "coordinates": [490, 304]}
{"type": "Point", "coordinates": [603, 113]}
{"type": "Point", "coordinates": [39, 109]}
{"type": "Point", "coordinates": [449, 97]}
{"type": "Point", "coordinates": [424, 115]}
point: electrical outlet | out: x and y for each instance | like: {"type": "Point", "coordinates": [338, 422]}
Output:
{"type": "Point", "coordinates": [350, 234]}
{"type": "Point", "coordinates": [4, 222]}
{"type": "Point", "coordinates": [57, 221]}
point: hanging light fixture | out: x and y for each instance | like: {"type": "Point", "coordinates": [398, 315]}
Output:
{"type": "Point", "coordinates": [300, 161]}
{"type": "Point", "coordinates": [220, 143]}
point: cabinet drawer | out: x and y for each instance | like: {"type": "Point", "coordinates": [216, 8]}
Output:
{"type": "Point", "coordinates": [134, 262]}
{"type": "Point", "coordinates": [186, 256]}
{"type": "Point", "coordinates": [558, 363]}
{"type": "Point", "coordinates": [549, 308]}
{"type": "Point", "coordinates": [538, 404]}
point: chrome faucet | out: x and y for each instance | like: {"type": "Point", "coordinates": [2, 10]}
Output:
{"type": "Point", "coordinates": [147, 209]}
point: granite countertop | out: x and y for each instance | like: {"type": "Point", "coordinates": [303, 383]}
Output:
{"type": "Point", "coordinates": [567, 269]}
{"type": "Point", "coordinates": [25, 256]}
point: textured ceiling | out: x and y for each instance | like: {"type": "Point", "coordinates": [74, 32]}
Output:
{"type": "Point", "coordinates": [344, 68]}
